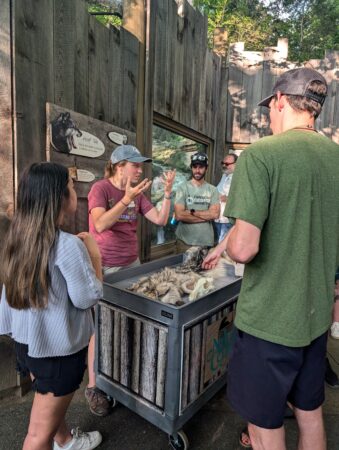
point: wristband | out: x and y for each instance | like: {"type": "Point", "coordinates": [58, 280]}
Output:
{"type": "Point", "coordinates": [124, 204]}
{"type": "Point", "coordinates": [168, 197]}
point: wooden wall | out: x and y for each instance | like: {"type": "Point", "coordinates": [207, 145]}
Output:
{"type": "Point", "coordinates": [189, 80]}
{"type": "Point", "coordinates": [6, 109]}
{"type": "Point", "coordinates": [62, 55]}
{"type": "Point", "coordinates": [250, 78]}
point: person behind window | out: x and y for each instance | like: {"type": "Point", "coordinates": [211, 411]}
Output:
{"type": "Point", "coordinates": [222, 224]}
{"type": "Point", "coordinates": [196, 206]}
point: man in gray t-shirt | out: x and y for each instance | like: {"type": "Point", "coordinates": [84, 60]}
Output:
{"type": "Point", "coordinates": [196, 206]}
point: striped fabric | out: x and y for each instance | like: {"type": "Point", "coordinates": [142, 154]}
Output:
{"type": "Point", "coordinates": [66, 325]}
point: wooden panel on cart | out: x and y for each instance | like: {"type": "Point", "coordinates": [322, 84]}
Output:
{"type": "Point", "coordinates": [133, 353]}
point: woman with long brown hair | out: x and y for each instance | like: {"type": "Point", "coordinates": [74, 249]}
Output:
{"type": "Point", "coordinates": [51, 280]}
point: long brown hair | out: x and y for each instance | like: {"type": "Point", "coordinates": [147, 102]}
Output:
{"type": "Point", "coordinates": [32, 234]}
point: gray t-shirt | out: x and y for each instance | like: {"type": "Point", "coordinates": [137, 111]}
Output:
{"type": "Point", "coordinates": [199, 198]}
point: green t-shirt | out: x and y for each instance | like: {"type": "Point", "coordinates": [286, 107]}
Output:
{"type": "Point", "coordinates": [199, 198]}
{"type": "Point", "coordinates": [287, 185]}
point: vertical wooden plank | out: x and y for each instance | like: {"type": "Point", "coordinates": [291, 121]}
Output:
{"type": "Point", "coordinates": [203, 355]}
{"type": "Point", "coordinates": [160, 76]}
{"type": "Point", "coordinates": [269, 76]}
{"type": "Point", "coordinates": [116, 346]}
{"type": "Point", "coordinates": [136, 356]}
{"type": "Point", "coordinates": [220, 130]}
{"type": "Point", "coordinates": [171, 26]}
{"type": "Point", "coordinates": [6, 108]}
{"type": "Point", "coordinates": [63, 53]}
{"type": "Point", "coordinates": [208, 117]}
{"type": "Point", "coordinates": [195, 360]}
{"type": "Point", "coordinates": [234, 88]}
{"type": "Point", "coordinates": [185, 369]}
{"type": "Point", "coordinates": [81, 86]}
{"type": "Point", "coordinates": [34, 77]}
{"type": "Point", "coordinates": [189, 49]}
{"type": "Point", "coordinates": [106, 341]}
{"type": "Point", "coordinates": [202, 94]}
{"type": "Point", "coordinates": [179, 67]}
{"type": "Point", "coordinates": [149, 352]}
{"type": "Point", "coordinates": [161, 369]}
{"type": "Point", "coordinates": [128, 93]}
{"type": "Point", "coordinates": [98, 70]}
{"type": "Point", "coordinates": [126, 346]}
{"type": "Point", "coordinates": [115, 59]}
{"type": "Point", "coordinates": [200, 42]}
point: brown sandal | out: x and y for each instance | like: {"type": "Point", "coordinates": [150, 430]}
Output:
{"type": "Point", "coordinates": [244, 439]}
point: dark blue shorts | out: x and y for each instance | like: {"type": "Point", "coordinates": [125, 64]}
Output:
{"type": "Point", "coordinates": [263, 377]}
{"type": "Point", "coordinates": [60, 375]}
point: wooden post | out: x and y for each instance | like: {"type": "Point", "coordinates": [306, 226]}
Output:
{"type": "Point", "coordinates": [139, 19]}
{"type": "Point", "coordinates": [6, 108]}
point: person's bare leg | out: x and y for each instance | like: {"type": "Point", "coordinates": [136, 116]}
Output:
{"type": "Point", "coordinates": [267, 439]}
{"type": "Point", "coordinates": [311, 428]}
{"type": "Point", "coordinates": [90, 362]}
{"type": "Point", "coordinates": [47, 421]}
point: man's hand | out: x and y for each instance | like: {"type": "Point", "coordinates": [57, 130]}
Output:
{"type": "Point", "coordinates": [133, 191]}
{"type": "Point", "coordinates": [212, 259]}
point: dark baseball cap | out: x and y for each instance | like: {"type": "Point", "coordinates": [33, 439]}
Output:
{"type": "Point", "coordinates": [128, 153]}
{"type": "Point", "coordinates": [296, 82]}
{"type": "Point", "coordinates": [199, 158]}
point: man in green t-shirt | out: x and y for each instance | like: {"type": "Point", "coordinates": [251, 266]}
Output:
{"type": "Point", "coordinates": [284, 201]}
{"type": "Point", "coordinates": [196, 206]}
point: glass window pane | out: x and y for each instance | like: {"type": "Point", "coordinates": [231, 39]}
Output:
{"type": "Point", "coordinates": [170, 151]}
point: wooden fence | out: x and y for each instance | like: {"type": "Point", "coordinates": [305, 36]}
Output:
{"type": "Point", "coordinates": [250, 78]}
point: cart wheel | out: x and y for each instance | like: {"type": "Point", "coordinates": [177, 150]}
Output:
{"type": "Point", "coordinates": [113, 402]}
{"type": "Point", "coordinates": [179, 441]}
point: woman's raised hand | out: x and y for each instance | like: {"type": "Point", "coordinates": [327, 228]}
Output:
{"type": "Point", "coordinates": [168, 179]}
{"type": "Point", "coordinates": [133, 191]}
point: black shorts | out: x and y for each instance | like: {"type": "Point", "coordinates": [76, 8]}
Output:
{"type": "Point", "coordinates": [60, 375]}
{"type": "Point", "coordinates": [263, 377]}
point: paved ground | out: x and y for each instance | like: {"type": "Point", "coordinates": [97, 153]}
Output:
{"type": "Point", "coordinates": [215, 427]}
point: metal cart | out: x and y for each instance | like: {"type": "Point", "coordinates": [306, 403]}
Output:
{"type": "Point", "coordinates": [162, 361]}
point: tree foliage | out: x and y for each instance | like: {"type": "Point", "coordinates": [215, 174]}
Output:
{"type": "Point", "coordinates": [97, 6]}
{"type": "Point", "coordinates": [311, 26]}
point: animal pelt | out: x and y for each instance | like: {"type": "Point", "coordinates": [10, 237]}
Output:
{"type": "Point", "coordinates": [171, 284]}
{"type": "Point", "coordinates": [168, 285]}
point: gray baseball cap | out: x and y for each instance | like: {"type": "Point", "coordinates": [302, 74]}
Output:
{"type": "Point", "coordinates": [128, 153]}
{"type": "Point", "coordinates": [296, 82]}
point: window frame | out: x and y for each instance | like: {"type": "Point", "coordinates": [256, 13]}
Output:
{"type": "Point", "coordinates": [169, 248]}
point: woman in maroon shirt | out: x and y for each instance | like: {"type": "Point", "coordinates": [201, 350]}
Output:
{"type": "Point", "coordinates": [114, 205]}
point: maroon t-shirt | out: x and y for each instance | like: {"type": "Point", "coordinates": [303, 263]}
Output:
{"type": "Point", "coordinates": [118, 245]}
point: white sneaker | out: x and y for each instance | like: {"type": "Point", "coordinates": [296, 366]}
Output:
{"type": "Point", "coordinates": [81, 440]}
{"type": "Point", "coordinates": [335, 330]}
